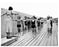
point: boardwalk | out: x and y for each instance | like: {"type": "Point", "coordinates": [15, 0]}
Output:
{"type": "Point", "coordinates": [42, 39]}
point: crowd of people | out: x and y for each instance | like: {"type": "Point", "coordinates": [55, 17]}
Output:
{"type": "Point", "coordinates": [34, 24]}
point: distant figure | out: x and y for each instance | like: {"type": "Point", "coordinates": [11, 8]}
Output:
{"type": "Point", "coordinates": [51, 26]}
{"type": "Point", "coordinates": [38, 24]}
{"type": "Point", "coordinates": [18, 26]}
{"type": "Point", "coordinates": [41, 24]}
{"type": "Point", "coordinates": [33, 27]}
{"type": "Point", "coordinates": [28, 25]}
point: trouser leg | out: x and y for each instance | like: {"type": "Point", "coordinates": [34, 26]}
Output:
{"type": "Point", "coordinates": [8, 35]}
{"type": "Point", "coordinates": [9, 30]}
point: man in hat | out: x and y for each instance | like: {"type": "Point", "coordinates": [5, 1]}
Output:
{"type": "Point", "coordinates": [8, 21]}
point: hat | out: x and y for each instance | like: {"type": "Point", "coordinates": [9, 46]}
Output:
{"type": "Point", "coordinates": [10, 8]}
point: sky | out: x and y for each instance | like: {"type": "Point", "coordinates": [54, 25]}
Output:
{"type": "Point", "coordinates": [38, 8]}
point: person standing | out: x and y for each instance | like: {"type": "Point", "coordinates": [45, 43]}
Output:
{"type": "Point", "coordinates": [51, 26]}
{"type": "Point", "coordinates": [33, 27]}
{"type": "Point", "coordinates": [18, 27]}
{"type": "Point", "coordinates": [9, 23]}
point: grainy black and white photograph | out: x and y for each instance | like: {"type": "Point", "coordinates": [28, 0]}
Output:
{"type": "Point", "coordinates": [29, 23]}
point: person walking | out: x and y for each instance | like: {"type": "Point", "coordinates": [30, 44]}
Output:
{"type": "Point", "coordinates": [18, 27]}
{"type": "Point", "coordinates": [51, 26]}
{"type": "Point", "coordinates": [33, 28]}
